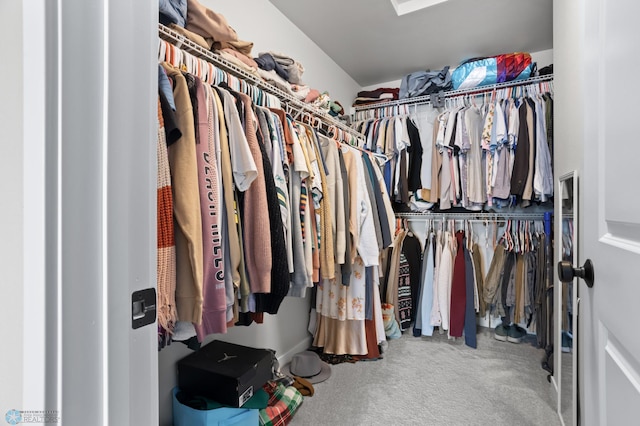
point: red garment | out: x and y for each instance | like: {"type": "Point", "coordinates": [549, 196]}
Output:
{"type": "Point", "coordinates": [372, 341]}
{"type": "Point", "coordinates": [458, 290]}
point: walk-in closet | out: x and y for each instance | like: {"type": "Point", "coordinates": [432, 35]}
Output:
{"type": "Point", "coordinates": [425, 217]}
{"type": "Point", "coordinates": [273, 212]}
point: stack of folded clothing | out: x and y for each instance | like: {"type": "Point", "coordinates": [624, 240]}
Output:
{"type": "Point", "coordinates": [322, 102]}
{"type": "Point", "coordinates": [212, 26]}
{"type": "Point", "coordinates": [273, 72]}
{"type": "Point", "coordinates": [235, 52]}
{"type": "Point", "coordinates": [378, 95]}
{"type": "Point", "coordinates": [173, 12]}
{"type": "Point", "coordinates": [283, 72]}
{"type": "Point", "coordinates": [300, 91]}
{"type": "Point", "coordinates": [222, 38]}
{"type": "Point", "coordinates": [336, 109]}
{"type": "Point", "coordinates": [207, 29]}
{"type": "Point", "coordinates": [211, 31]}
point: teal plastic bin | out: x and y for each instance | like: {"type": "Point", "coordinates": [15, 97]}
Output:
{"type": "Point", "coordinates": [186, 416]}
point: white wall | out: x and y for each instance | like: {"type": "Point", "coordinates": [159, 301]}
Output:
{"type": "Point", "coordinates": [542, 58]}
{"type": "Point", "coordinates": [260, 22]}
{"type": "Point", "coordinates": [11, 223]}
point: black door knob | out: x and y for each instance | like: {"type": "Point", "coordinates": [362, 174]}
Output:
{"type": "Point", "coordinates": [566, 272]}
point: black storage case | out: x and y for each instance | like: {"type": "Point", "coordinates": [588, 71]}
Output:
{"type": "Point", "coordinates": [225, 372]}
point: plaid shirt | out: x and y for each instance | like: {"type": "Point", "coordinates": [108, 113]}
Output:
{"type": "Point", "coordinates": [283, 403]}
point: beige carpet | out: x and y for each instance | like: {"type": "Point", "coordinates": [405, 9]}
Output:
{"type": "Point", "coordinates": [436, 381]}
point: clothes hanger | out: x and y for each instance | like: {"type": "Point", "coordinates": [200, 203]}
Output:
{"type": "Point", "coordinates": [398, 225]}
{"type": "Point", "coordinates": [520, 237]}
{"type": "Point", "coordinates": [470, 235]}
{"type": "Point", "coordinates": [197, 67]}
{"type": "Point", "coordinates": [170, 56]}
{"type": "Point", "coordinates": [178, 57]}
{"type": "Point", "coordinates": [212, 73]}
{"type": "Point", "coordinates": [162, 48]}
{"type": "Point", "coordinates": [406, 226]}
{"type": "Point", "coordinates": [191, 65]}
{"type": "Point", "coordinates": [244, 87]}
{"type": "Point", "coordinates": [181, 60]}
{"type": "Point", "coordinates": [204, 69]}
{"type": "Point", "coordinates": [486, 233]}
{"type": "Point", "coordinates": [505, 239]}
{"type": "Point", "coordinates": [174, 57]}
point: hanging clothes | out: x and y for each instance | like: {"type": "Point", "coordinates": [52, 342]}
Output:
{"type": "Point", "coordinates": [458, 289]}
{"type": "Point", "coordinates": [467, 155]}
{"type": "Point", "coordinates": [423, 324]}
{"type": "Point", "coordinates": [186, 207]}
{"type": "Point", "coordinates": [214, 309]}
{"type": "Point", "coordinates": [470, 325]}
{"type": "Point", "coordinates": [412, 251]}
{"type": "Point", "coordinates": [269, 204]}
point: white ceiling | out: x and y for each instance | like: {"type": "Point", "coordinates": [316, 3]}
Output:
{"type": "Point", "coordinates": [374, 45]}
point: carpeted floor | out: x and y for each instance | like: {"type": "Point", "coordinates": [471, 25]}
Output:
{"type": "Point", "coordinates": [436, 381]}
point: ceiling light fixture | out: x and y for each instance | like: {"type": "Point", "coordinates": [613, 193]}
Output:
{"type": "Point", "coordinates": [402, 7]}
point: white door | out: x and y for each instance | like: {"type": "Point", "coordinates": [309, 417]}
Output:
{"type": "Point", "coordinates": [610, 230]}
{"type": "Point", "coordinates": [100, 106]}
{"type": "Point", "coordinates": [130, 170]}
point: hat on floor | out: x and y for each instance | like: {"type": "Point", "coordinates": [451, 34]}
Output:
{"type": "Point", "coordinates": [309, 366]}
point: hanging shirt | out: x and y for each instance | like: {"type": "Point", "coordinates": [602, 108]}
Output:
{"type": "Point", "coordinates": [415, 156]}
{"type": "Point", "coordinates": [436, 163]}
{"type": "Point", "coordinates": [234, 263]}
{"type": "Point", "coordinates": [244, 166]}
{"type": "Point", "coordinates": [426, 299]}
{"type": "Point", "coordinates": [445, 275]}
{"type": "Point", "coordinates": [514, 123]}
{"type": "Point", "coordinates": [500, 180]}
{"type": "Point", "coordinates": [470, 326]}
{"type": "Point", "coordinates": [475, 168]}
{"type": "Point", "coordinates": [404, 293]}
{"type": "Point", "coordinates": [424, 121]}
{"type": "Point", "coordinates": [457, 307]}
{"type": "Point", "coordinates": [521, 158]}
{"type": "Point", "coordinates": [279, 165]}
{"type": "Point", "coordinates": [335, 187]}
{"type": "Point", "coordinates": [186, 206]}
{"type": "Point", "coordinates": [543, 177]}
{"type": "Point", "coordinates": [436, 318]}
{"type": "Point", "coordinates": [301, 279]}
{"type": "Point", "coordinates": [462, 146]}
{"type": "Point", "coordinates": [527, 194]}
{"type": "Point", "coordinates": [214, 308]}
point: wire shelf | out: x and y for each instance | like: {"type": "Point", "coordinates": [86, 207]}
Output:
{"type": "Point", "coordinates": [419, 100]}
{"type": "Point", "coordinates": [475, 216]}
{"type": "Point", "coordinates": [183, 43]}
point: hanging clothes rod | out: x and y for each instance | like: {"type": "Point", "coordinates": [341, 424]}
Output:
{"type": "Point", "coordinates": [419, 100]}
{"type": "Point", "coordinates": [475, 217]}
{"type": "Point", "coordinates": [298, 107]}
